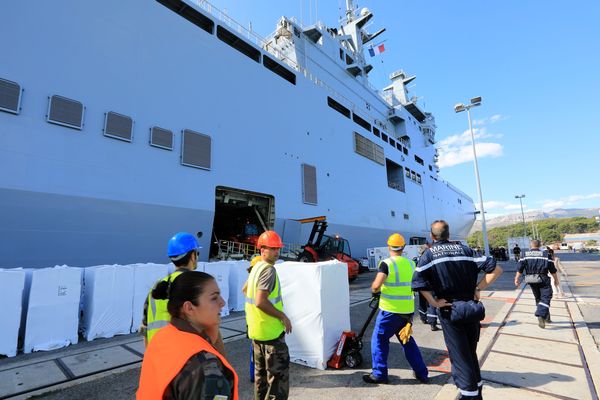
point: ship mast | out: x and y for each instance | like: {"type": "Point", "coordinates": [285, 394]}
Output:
{"type": "Point", "coordinates": [349, 10]}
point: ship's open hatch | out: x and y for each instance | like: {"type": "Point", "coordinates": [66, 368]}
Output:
{"type": "Point", "coordinates": [240, 216]}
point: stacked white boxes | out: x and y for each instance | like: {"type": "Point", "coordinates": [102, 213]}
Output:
{"type": "Point", "coordinates": [238, 275]}
{"type": "Point", "coordinates": [12, 283]}
{"type": "Point", "coordinates": [220, 271]}
{"type": "Point", "coordinates": [144, 278]}
{"type": "Point", "coordinates": [107, 301]}
{"type": "Point", "coordinates": [316, 299]}
{"type": "Point", "coordinates": [52, 310]}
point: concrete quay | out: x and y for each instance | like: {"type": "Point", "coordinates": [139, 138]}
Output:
{"type": "Point", "coordinates": [519, 359]}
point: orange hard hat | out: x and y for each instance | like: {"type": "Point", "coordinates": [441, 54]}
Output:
{"type": "Point", "coordinates": [269, 239]}
{"type": "Point", "coordinates": [396, 241]}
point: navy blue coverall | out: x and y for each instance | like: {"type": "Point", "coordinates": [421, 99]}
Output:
{"type": "Point", "coordinates": [450, 270]}
{"type": "Point", "coordinates": [539, 262]}
{"type": "Point", "coordinates": [427, 312]}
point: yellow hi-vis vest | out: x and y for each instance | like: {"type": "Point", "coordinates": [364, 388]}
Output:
{"type": "Point", "coordinates": [158, 316]}
{"type": "Point", "coordinates": [396, 293]}
{"type": "Point", "coordinates": [262, 326]}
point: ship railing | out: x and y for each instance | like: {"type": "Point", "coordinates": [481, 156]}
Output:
{"type": "Point", "coordinates": [230, 250]}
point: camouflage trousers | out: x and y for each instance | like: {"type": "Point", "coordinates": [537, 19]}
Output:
{"type": "Point", "coordinates": [271, 369]}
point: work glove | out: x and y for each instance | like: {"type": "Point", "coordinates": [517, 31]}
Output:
{"type": "Point", "coordinates": [404, 333]}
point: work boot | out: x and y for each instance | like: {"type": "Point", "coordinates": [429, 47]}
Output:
{"type": "Point", "coordinates": [373, 379]}
{"type": "Point", "coordinates": [541, 322]}
{"type": "Point", "coordinates": [421, 378]}
{"type": "Point", "coordinates": [424, 320]}
{"type": "Point", "coordinates": [434, 327]}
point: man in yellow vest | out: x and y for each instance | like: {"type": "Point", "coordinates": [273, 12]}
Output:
{"type": "Point", "coordinates": [397, 306]}
{"type": "Point", "coordinates": [267, 323]}
{"type": "Point", "coordinates": [183, 251]}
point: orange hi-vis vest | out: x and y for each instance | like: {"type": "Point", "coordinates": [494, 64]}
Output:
{"type": "Point", "coordinates": [166, 355]}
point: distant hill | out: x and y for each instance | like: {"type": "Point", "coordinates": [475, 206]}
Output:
{"type": "Point", "coordinates": [510, 219]}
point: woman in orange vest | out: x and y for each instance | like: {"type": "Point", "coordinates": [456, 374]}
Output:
{"type": "Point", "coordinates": [181, 362]}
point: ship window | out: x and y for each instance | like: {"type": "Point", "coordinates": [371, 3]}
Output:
{"type": "Point", "coordinates": [66, 112]}
{"type": "Point", "coordinates": [406, 216]}
{"type": "Point", "coordinates": [162, 138]}
{"type": "Point", "coordinates": [376, 132]}
{"type": "Point", "coordinates": [341, 54]}
{"type": "Point", "coordinates": [398, 146]}
{"type": "Point", "coordinates": [361, 122]}
{"type": "Point", "coordinates": [395, 177]}
{"type": "Point", "coordinates": [118, 126]}
{"type": "Point", "coordinates": [419, 160]}
{"type": "Point", "coordinates": [238, 44]}
{"type": "Point", "coordinates": [392, 142]}
{"type": "Point", "coordinates": [309, 184]}
{"type": "Point", "coordinates": [191, 14]}
{"type": "Point", "coordinates": [195, 149]}
{"type": "Point", "coordinates": [279, 69]}
{"type": "Point", "coordinates": [407, 172]}
{"type": "Point", "coordinates": [418, 178]}
{"type": "Point", "coordinates": [430, 168]}
{"type": "Point", "coordinates": [384, 137]}
{"type": "Point", "coordinates": [405, 150]}
{"type": "Point", "coordinates": [413, 175]}
{"type": "Point", "coordinates": [349, 60]}
{"type": "Point", "coordinates": [10, 96]}
{"type": "Point", "coordinates": [338, 107]}
{"type": "Point", "coordinates": [368, 149]}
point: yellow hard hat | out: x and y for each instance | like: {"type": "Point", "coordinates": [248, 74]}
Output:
{"type": "Point", "coordinates": [396, 241]}
{"type": "Point", "coordinates": [254, 260]}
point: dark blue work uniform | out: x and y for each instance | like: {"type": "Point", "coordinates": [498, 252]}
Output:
{"type": "Point", "coordinates": [539, 262]}
{"type": "Point", "coordinates": [427, 312]}
{"type": "Point", "coordinates": [450, 270]}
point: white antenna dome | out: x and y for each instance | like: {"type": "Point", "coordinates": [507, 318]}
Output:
{"type": "Point", "coordinates": [364, 12]}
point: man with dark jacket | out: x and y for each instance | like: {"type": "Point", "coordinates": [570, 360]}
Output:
{"type": "Point", "coordinates": [447, 277]}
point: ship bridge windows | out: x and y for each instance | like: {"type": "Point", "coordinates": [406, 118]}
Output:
{"type": "Point", "coordinates": [419, 160]}
{"type": "Point", "coordinates": [368, 149]}
{"type": "Point", "coordinates": [190, 13]}
{"type": "Point", "coordinates": [362, 122]}
{"type": "Point", "coordinates": [10, 96]}
{"type": "Point", "coordinates": [399, 146]}
{"type": "Point", "coordinates": [162, 138]}
{"type": "Point", "coordinates": [279, 69]}
{"type": "Point", "coordinates": [237, 43]}
{"type": "Point", "coordinates": [395, 177]}
{"type": "Point", "coordinates": [195, 149]}
{"type": "Point", "coordinates": [376, 132]}
{"type": "Point", "coordinates": [392, 142]}
{"type": "Point", "coordinates": [309, 184]}
{"type": "Point", "coordinates": [118, 126]}
{"type": "Point", "coordinates": [384, 136]}
{"type": "Point", "coordinates": [65, 112]}
{"type": "Point", "coordinates": [338, 107]}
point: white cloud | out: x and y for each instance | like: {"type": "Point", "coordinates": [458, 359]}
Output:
{"type": "Point", "coordinates": [457, 149]}
{"type": "Point", "coordinates": [489, 120]}
{"type": "Point", "coordinates": [567, 201]}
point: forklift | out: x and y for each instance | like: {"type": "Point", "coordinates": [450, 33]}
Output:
{"type": "Point", "coordinates": [322, 247]}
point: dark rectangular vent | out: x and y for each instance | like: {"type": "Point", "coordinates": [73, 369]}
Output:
{"type": "Point", "coordinates": [338, 107]}
{"type": "Point", "coordinates": [279, 69]}
{"type": "Point", "coordinates": [376, 132]}
{"type": "Point", "coordinates": [162, 138]}
{"type": "Point", "coordinates": [419, 160]}
{"type": "Point", "coordinates": [195, 149]}
{"type": "Point", "coordinates": [368, 149]}
{"type": "Point", "coordinates": [118, 126]}
{"type": "Point", "coordinates": [360, 121]}
{"type": "Point", "coordinates": [398, 146]}
{"type": "Point", "coordinates": [384, 137]}
{"type": "Point", "coordinates": [309, 184]}
{"type": "Point", "coordinates": [405, 150]}
{"type": "Point", "coordinates": [238, 44]}
{"type": "Point", "coordinates": [10, 96]}
{"type": "Point", "coordinates": [66, 112]}
{"type": "Point", "coordinates": [189, 13]}
{"type": "Point", "coordinates": [392, 142]}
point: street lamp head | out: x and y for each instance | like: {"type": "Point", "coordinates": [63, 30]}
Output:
{"type": "Point", "coordinates": [459, 107]}
{"type": "Point", "coordinates": [476, 101]}
{"type": "Point", "coordinates": [519, 196]}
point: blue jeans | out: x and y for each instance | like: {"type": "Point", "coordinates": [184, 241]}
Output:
{"type": "Point", "coordinates": [387, 325]}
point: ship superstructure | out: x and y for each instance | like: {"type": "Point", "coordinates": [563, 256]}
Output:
{"type": "Point", "coordinates": [127, 121]}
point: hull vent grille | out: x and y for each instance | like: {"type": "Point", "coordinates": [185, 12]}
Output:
{"type": "Point", "coordinates": [66, 112]}
{"type": "Point", "coordinates": [309, 184]}
{"type": "Point", "coordinates": [10, 96]}
{"type": "Point", "coordinates": [195, 149]}
{"type": "Point", "coordinates": [118, 126]}
{"type": "Point", "coordinates": [162, 138]}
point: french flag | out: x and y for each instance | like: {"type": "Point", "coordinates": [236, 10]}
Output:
{"type": "Point", "coordinates": [373, 51]}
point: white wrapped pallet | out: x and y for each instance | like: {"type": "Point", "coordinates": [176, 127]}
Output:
{"type": "Point", "coordinates": [316, 299]}
{"type": "Point", "coordinates": [52, 312]}
{"type": "Point", "coordinates": [107, 300]}
{"type": "Point", "coordinates": [144, 278]}
{"type": "Point", "coordinates": [238, 275]}
{"type": "Point", "coordinates": [220, 271]}
{"type": "Point", "coordinates": [12, 283]}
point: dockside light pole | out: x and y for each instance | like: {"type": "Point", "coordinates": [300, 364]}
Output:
{"type": "Point", "coordinates": [520, 197]}
{"type": "Point", "coordinates": [475, 102]}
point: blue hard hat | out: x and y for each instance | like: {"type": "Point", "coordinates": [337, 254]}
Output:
{"type": "Point", "coordinates": [181, 243]}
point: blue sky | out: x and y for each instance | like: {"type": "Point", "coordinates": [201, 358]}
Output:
{"type": "Point", "coordinates": [535, 63]}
